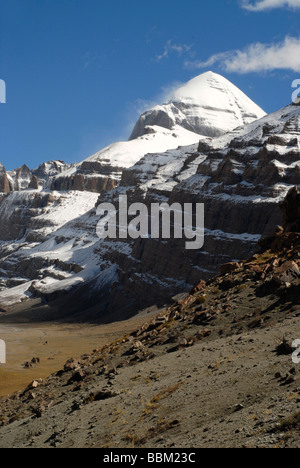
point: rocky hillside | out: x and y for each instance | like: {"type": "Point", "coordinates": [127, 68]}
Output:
{"type": "Point", "coordinates": [213, 370]}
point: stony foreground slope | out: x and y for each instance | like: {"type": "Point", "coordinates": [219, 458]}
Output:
{"type": "Point", "coordinates": [213, 370]}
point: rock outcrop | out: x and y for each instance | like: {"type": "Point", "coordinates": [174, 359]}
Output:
{"type": "Point", "coordinates": [86, 179]}
{"type": "Point", "coordinates": [24, 178]}
{"type": "Point", "coordinates": [47, 171]}
{"type": "Point", "coordinates": [5, 185]}
{"type": "Point", "coordinates": [21, 178]}
{"type": "Point", "coordinates": [34, 183]}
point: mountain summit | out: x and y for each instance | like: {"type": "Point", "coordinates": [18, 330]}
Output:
{"type": "Point", "coordinates": [208, 105]}
{"type": "Point", "coordinates": [49, 250]}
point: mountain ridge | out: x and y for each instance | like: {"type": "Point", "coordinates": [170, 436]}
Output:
{"type": "Point", "coordinates": [102, 170]}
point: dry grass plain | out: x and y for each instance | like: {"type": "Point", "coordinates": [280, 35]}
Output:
{"type": "Point", "coordinates": [53, 344]}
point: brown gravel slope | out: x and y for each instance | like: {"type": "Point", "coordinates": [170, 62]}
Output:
{"type": "Point", "coordinates": [213, 370]}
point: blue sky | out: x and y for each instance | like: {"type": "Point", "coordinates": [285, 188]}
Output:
{"type": "Point", "coordinates": [78, 72]}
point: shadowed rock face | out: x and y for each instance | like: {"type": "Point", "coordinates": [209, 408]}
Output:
{"type": "Point", "coordinates": [175, 114]}
{"type": "Point", "coordinates": [156, 117]}
{"type": "Point", "coordinates": [291, 210]}
{"type": "Point", "coordinates": [20, 213]}
{"type": "Point", "coordinates": [5, 186]}
{"type": "Point", "coordinates": [23, 177]}
{"type": "Point", "coordinates": [82, 183]}
{"type": "Point", "coordinates": [34, 183]}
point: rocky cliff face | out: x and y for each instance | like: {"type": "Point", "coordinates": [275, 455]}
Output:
{"type": "Point", "coordinates": [240, 178]}
{"type": "Point", "coordinates": [47, 171]}
{"type": "Point", "coordinates": [5, 185]}
{"type": "Point", "coordinates": [24, 178]}
{"type": "Point", "coordinates": [103, 170]}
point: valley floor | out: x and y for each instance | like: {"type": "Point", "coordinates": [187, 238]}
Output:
{"type": "Point", "coordinates": [52, 344]}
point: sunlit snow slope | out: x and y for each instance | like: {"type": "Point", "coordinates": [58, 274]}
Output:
{"type": "Point", "coordinates": [208, 105]}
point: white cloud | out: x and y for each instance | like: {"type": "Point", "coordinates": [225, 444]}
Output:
{"type": "Point", "coordinates": [262, 5]}
{"type": "Point", "coordinates": [257, 57]}
{"type": "Point", "coordinates": [139, 106]}
{"type": "Point", "coordinates": [169, 48]}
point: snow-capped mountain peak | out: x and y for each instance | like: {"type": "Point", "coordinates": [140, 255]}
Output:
{"type": "Point", "coordinates": [208, 105]}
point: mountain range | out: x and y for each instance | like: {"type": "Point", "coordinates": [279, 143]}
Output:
{"type": "Point", "coordinates": [209, 143]}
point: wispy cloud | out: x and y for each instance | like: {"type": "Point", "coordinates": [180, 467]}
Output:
{"type": "Point", "coordinates": [92, 58]}
{"type": "Point", "coordinates": [257, 57]}
{"type": "Point", "coordinates": [139, 106]}
{"type": "Point", "coordinates": [262, 5]}
{"type": "Point", "coordinates": [179, 49]}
